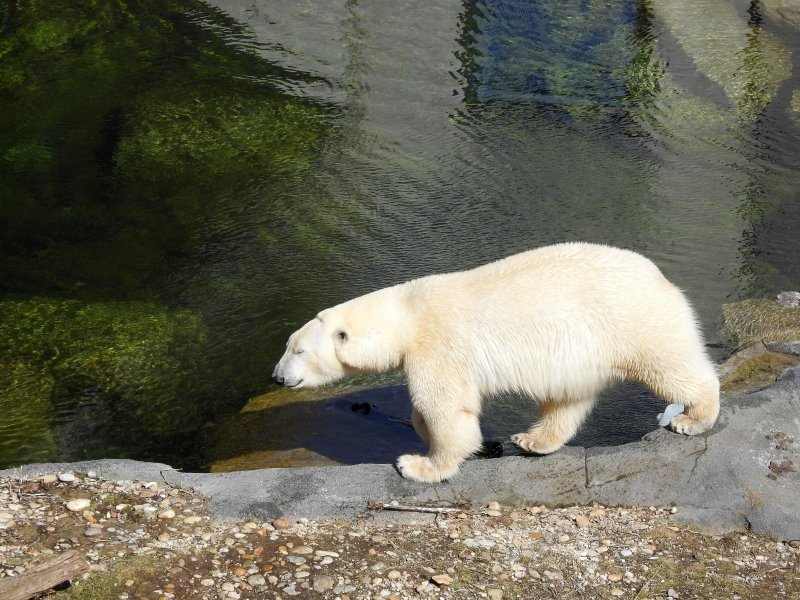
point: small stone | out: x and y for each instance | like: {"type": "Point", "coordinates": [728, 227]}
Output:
{"type": "Point", "coordinates": [5, 516]}
{"type": "Point", "coordinates": [615, 577]}
{"type": "Point", "coordinates": [167, 514]}
{"type": "Point", "coordinates": [563, 538]}
{"type": "Point", "coordinates": [48, 479]}
{"type": "Point", "coordinates": [164, 537]}
{"type": "Point", "coordinates": [256, 580]}
{"type": "Point", "coordinates": [553, 575]}
{"type": "Point", "coordinates": [626, 553]}
{"type": "Point", "coordinates": [302, 574]}
{"type": "Point", "coordinates": [597, 512]}
{"type": "Point", "coordinates": [280, 524]}
{"type": "Point", "coordinates": [672, 593]}
{"type": "Point", "coordinates": [327, 553]}
{"type": "Point", "coordinates": [91, 474]}
{"type": "Point", "coordinates": [239, 571]}
{"type": "Point", "coordinates": [92, 531]}
{"type": "Point", "coordinates": [442, 579]}
{"type": "Point", "coordinates": [581, 521]}
{"type": "Point", "coordinates": [323, 583]}
{"type": "Point", "coordinates": [302, 550]}
{"type": "Point", "coordinates": [494, 505]}
{"type": "Point", "coordinates": [207, 582]}
{"type": "Point", "coordinates": [617, 592]}
{"type": "Point", "coordinates": [394, 575]}
{"type": "Point", "coordinates": [228, 587]}
{"type": "Point", "coordinates": [78, 504]}
{"type": "Point", "coordinates": [66, 477]}
{"type": "Point", "coordinates": [494, 594]}
{"type": "Point", "coordinates": [193, 520]}
{"type": "Point", "coordinates": [296, 560]}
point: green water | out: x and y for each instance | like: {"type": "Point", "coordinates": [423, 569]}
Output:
{"type": "Point", "coordinates": [183, 183]}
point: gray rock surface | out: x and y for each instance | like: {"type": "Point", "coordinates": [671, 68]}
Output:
{"type": "Point", "coordinates": [745, 473]}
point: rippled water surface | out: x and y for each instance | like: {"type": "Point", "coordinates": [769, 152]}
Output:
{"type": "Point", "coordinates": [183, 186]}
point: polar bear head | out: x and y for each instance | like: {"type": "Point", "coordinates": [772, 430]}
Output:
{"type": "Point", "coordinates": [364, 335]}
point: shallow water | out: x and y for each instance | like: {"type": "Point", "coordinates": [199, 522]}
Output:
{"type": "Point", "coordinates": [444, 136]}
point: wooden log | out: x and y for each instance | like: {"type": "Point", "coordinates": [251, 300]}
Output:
{"type": "Point", "coordinates": [43, 576]}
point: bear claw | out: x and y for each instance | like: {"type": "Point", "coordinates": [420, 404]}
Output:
{"type": "Point", "coordinates": [688, 426]}
{"type": "Point", "coordinates": [530, 443]}
{"type": "Point", "coordinates": [421, 468]}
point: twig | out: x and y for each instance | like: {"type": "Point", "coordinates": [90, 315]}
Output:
{"type": "Point", "coordinates": [375, 505]}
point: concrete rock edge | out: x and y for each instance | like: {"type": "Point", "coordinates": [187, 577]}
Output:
{"type": "Point", "coordinates": [723, 480]}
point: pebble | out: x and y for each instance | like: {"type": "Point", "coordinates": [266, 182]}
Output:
{"type": "Point", "coordinates": [302, 550]}
{"type": "Point", "coordinates": [256, 580]}
{"type": "Point", "coordinates": [626, 553]}
{"type": "Point", "coordinates": [442, 579]}
{"type": "Point", "coordinates": [615, 577]}
{"type": "Point", "coordinates": [281, 524]}
{"type": "Point", "coordinates": [207, 582]}
{"type": "Point", "coordinates": [66, 477]}
{"type": "Point", "coordinates": [167, 514]}
{"type": "Point", "coordinates": [394, 575]}
{"type": "Point", "coordinates": [48, 479]}
{"type": "Point", "coordinates": [323, 583]}
{"type": "Point", "coordinates": [581, 521]}
{"type": "Point", "coordinates": [494, 594]}
{"type": "Point", "coordinates": [617, 592]}
{"type": "Point", "coordinates": [327, 553]}
{"type": "Point", "coordinates": [296, 560]}
{"type": "Point", "coordinates": [164, 537]}
{"type": "Point", "coordinates": [92, 531]}
{"type": "Point", "coordinates": [493, 505]}
{"type": "Point", "coordinates": [193, 520]}
{"type": "Point", "coordinates": [228, 587]}
{"type": "Point", "coordinates": [78, 504]}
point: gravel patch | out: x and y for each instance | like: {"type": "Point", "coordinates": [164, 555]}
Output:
{"type": "Point", "coordinates": [148, 540]}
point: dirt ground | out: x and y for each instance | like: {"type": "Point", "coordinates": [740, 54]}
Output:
{"type": "Point", "coordinates": [148, 540]}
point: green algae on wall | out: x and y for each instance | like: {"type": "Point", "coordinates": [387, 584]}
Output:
{"type": "Point", "coordinates": [119, 120]}
{"type": "Point", "coordinates": [137, 358]}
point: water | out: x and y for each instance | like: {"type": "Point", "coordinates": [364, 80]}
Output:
{"type": "Point", "coordinates": [275, 158]}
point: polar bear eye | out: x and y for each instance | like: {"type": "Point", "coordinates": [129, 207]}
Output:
{"type": "Point", "coordinates": [341, 335]}
{"type": "Point", "coordinates": [299, 351]}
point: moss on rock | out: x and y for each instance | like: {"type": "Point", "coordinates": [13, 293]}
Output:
{"type": "Point", "coordinates": [759, 320]}
{"type": "Point", "coordinates": [135, 357]}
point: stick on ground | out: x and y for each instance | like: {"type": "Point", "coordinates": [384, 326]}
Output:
{"type": "Point", "coordinates": [43, 576]}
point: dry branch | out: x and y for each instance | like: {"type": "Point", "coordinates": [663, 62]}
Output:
{"type": "Point", "coordinates": [43, 576]}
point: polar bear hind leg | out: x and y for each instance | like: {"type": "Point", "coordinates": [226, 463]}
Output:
{"type": "Point", "coordinates": [558, 423]}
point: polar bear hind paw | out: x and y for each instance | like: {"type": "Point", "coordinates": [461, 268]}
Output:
{"type": "Point", "coordinates": [532, 443]}
{"type": "Point", "coordinates": [421, 468]}
{"type": "Point", "coordinates": [688, 426]}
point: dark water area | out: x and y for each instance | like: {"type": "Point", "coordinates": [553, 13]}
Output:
{"type": "Point", "coordinates": [184, 183]}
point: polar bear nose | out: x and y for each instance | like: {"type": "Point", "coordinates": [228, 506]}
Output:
{"type": "Point", "coordinates": [277, 379]}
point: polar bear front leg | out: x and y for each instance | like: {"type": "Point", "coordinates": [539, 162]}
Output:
{"type": "Point", "coordinates": [451, 427]}
{"type": "Point", "coordinates": [420, 427]}
{"type": "Point", "coordinates": [452, 437]}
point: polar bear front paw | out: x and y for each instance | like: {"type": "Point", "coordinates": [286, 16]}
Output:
{"type": "Point", "coordinates": [688, 426]}
{"type": "Point", "coordinates": [421, 468]}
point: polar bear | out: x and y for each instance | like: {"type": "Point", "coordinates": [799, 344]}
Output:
{"type": "Point", "coordinates": [558, 324]}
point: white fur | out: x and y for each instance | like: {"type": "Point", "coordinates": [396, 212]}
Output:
{"type": "Point", "coordinates": [559, 324]}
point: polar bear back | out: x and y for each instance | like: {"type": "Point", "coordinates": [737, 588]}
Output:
{"type": "Point", "coordinates": [560, 321]}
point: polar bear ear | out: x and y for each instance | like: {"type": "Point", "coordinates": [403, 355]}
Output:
{"type": "Point", "coordinates": [350, 351]}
